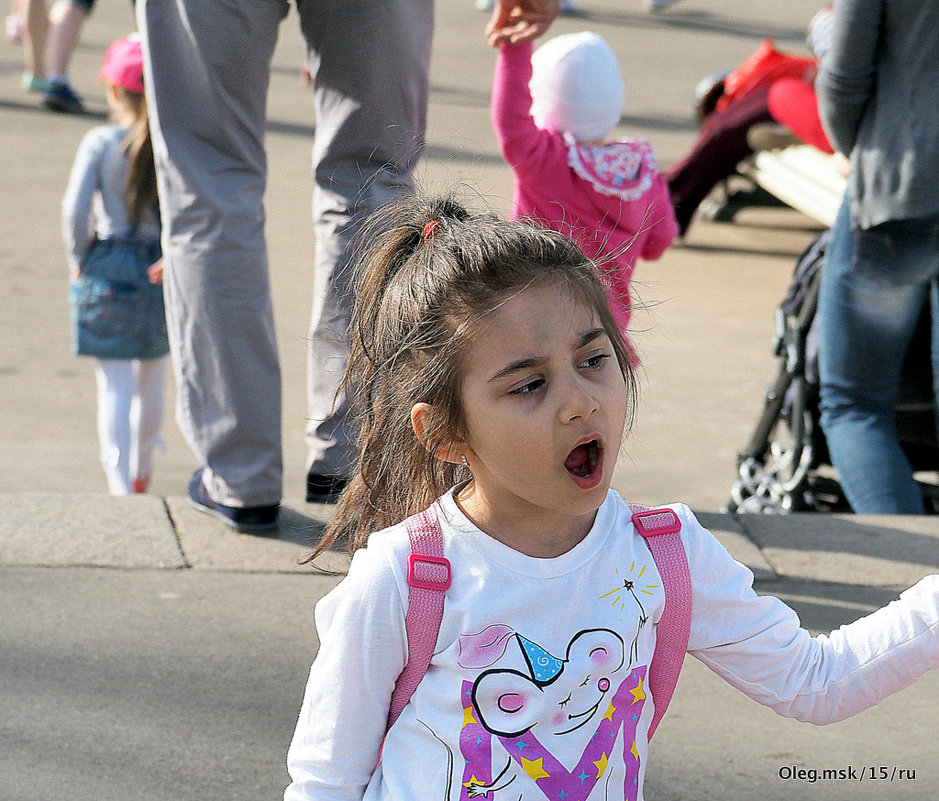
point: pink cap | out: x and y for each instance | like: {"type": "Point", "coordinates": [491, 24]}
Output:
{"type": "Point", "coordinates": [123, 63]}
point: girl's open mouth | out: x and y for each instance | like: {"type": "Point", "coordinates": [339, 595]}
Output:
{"type": "Point", "coordinates": [583, 464]}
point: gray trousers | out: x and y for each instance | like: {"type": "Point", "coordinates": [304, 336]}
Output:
{"type": "Point", "coordinates": [207, 64]}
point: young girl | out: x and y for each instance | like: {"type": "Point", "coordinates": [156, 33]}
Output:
{"type": "Point", "coordinates": [553, 113]}
{"type": "Point", "coordinates": [506, 420]}
{"type": "Point", "coordinates": [112, 193]}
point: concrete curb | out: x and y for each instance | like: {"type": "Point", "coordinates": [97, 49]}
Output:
{"type": "Point", "coordinates": [41, 529]}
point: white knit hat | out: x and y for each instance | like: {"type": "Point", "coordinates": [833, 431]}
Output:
{"type": "Point", "coordinates": [576, 86]}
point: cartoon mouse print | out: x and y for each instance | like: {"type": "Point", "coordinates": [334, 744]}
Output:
{"type": "Point", "coordinates": [551, 724]}
{"type": "Point", "coordinates": [557, 696]}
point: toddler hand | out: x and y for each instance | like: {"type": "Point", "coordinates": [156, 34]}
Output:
{"type": "Point", "coordinates": [155, 272]}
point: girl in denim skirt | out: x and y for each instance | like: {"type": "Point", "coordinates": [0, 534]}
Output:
{"type": "Point", "coordinates": [111, 227]}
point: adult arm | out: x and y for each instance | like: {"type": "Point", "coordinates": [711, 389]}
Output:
{"type": "Point", "coordinates": [845, 83]}
{"type": "Point", "coordinates": [757, 644]}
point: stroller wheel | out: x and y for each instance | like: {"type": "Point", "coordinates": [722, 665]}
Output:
{"type": "Point", "coordinates": [777, 482]}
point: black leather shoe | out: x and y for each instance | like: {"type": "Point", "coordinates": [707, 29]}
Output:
{"type": "Point", "coordinates": [245, 519]}
{"type": "Point", "coordinates": [324, 489]}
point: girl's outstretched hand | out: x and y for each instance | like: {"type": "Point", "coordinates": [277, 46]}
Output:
{"type": "Point", "coordinates": [518, 21]}
{"type": "Point", "coordinates": [155, 272]}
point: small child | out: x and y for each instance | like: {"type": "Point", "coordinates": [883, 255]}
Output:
{"type": "Point", "coordinates": [553, 112]}
{"type": "Point", "coordinates": [111, 201]}
{"type": "Point", "coordinates": [505, 422]}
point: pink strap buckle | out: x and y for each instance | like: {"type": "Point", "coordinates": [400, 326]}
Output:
{"type": "Point", "coordinates": [653, 522]}
{"type": "Point", "coordinates": [424, 572]}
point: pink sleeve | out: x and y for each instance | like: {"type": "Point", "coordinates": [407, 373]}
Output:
{"type": "Point", "coordinates": [511, 104]}
{"type": "Point", "coordinates": [660, 219]}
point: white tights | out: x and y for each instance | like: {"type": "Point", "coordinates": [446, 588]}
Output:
{"type": "Point", "coordinates": [130, 413]}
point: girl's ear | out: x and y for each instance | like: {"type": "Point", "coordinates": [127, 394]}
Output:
{"type": "Point", "coordinates": [427, 433]}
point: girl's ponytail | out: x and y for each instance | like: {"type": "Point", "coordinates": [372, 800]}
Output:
{"type": "Point", "coordinates": [393, 364]}
{"type": "Point", "coordinates": [141, 185]}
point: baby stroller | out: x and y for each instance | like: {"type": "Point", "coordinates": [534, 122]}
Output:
{"type": "Point", "coordinates": [786, 466]}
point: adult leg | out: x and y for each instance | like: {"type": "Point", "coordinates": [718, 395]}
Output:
{"type": "Point", "coordinates": [370, 63]}
{"type": "Point", "coordinates": [208, 68]}
{"type": "Point", "coordinates": [34, 43]}
{"type": "Point", "coordinates": [874, 285]}
{"type": "Point", "coordinates": [66, 18]}
{"type": "Point", "coordinates": [65, 23]}
{"type": "Point", "coordinates": [720, 147]}
{"type": "Point", "coordinates": [146, 417]}
{"type": "Point", "coordinates": [115, 382]}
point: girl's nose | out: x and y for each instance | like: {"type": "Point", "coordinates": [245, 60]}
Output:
{"type": "Point", "coordinates": [579, 403]}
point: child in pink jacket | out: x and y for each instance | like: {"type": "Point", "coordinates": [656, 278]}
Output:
{"type": "Point", "coordinates": [552, 112]}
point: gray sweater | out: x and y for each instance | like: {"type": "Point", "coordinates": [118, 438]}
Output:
{"type": "Point", "coordinates": [878, 96]}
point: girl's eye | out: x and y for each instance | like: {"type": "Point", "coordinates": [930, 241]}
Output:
{"type": "Point", "coordinates": [565, 702]}
{"type": "Point", "coordinates": [596, 361]}
{"type": "Point", "coordinates": [585, 682]}
{"type": "Point", "coordinates": [528, 388]}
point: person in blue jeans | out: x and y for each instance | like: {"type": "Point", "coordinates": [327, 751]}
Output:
{"type": "Point", "coordinates": [876, 93]}
{"type": "Point", "coordinates": [867, 316]}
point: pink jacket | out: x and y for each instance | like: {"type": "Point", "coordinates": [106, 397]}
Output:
{"type": "Point", "coordinates": [610, 199]}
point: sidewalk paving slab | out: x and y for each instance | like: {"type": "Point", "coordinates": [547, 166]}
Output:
{"type": "Point", "coordinates": [87, 529]}
{"type": "Point", "coordinates": [872, 551]}
{"type": "Point", "coordinates": [208, 544]}
{"type": "Point", "coordinates": [733, 536]}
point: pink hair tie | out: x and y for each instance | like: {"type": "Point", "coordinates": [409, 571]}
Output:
{"type": "Point", "coordinates": [429, 229]}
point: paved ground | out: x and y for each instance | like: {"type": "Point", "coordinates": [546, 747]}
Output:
{"type": "Point", "coordinates": [147, 652]}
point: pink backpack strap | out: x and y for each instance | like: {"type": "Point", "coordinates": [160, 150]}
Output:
{"type": "Point", "coordinates": [428, 579]}
{"type": "Point", "coordinates": [660, 528]}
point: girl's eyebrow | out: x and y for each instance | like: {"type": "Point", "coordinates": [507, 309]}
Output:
{"type": "Point", "coordinates": [590, 336]}
{"type": "Point", "coordinates": [527, 362]}
{"type": "Point", "coordinates": [517, 366]}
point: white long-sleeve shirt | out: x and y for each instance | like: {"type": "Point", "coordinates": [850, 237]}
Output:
{"type": "Point", "coordinates": [537, 685]}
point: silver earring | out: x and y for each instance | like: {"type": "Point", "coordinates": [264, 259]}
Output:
{"type": "Point", "coordinates": [463, 460]}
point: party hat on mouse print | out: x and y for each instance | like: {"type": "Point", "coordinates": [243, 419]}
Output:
{"type": "Point", "coordinates": [542, 665]}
